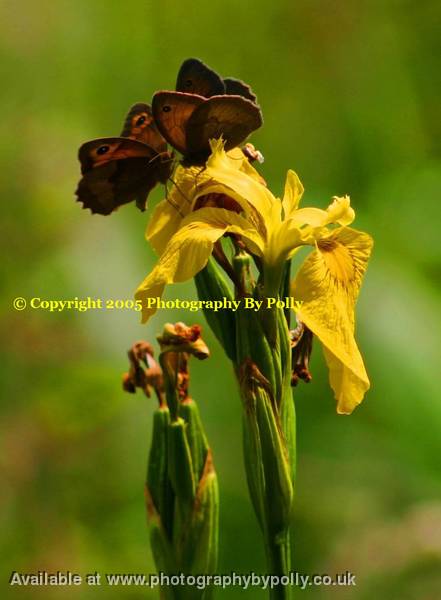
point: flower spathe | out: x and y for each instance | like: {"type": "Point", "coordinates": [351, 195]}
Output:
{"type": "Point", "coordinates": [328, 282]}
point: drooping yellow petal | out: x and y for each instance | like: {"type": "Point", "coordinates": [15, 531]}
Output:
{"type": "Point", "coordinates": [189, 249]}
{"type": "Point", "coordinates": [185, 255]}
{"type": "Point", "coordinates": [328, 283]}
{"type": "Point", "coordinates": [293, 193]}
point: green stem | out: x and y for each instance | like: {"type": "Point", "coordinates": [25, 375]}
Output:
{"type": "Point", "coordinates": [285, 290]}
{"type": "Point", "coordinates": [278, 556]}
{"type": "Point", "coordinates": [262, 362]}
{"type": "Point", "coordinates": [270, 448]}
{"type": "Point", "coordinates": [171, 393]}
{"type": "Point", "coordinates": [272, 278]}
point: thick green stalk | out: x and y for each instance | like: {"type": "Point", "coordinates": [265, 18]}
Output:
{"type": "Point", "coordinates": [278, 556]}
{"type": "Point", "coordinates": [269, 468]}
{"type": "Point", "coordinates": [262, 363]}
{"type": "Point", "coordinates": [264, 370]}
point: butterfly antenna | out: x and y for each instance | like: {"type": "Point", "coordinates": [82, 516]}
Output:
{"type": "Point", "coordinates": [175, 206]}
{"type": "Point", "coordinates": [169, 159]}
{"type": "Point", "coordinates": [160, 157]}
{"type": "Point", "coordinates": [180, 190]}
{"type": "Point", "coordinates": [201, 170]}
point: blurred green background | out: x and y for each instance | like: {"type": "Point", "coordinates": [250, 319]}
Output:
{"type": "Point", "coordinates": [348, 94]}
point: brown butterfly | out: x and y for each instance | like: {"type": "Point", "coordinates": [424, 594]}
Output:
{"type": "Point", "coordinates": [117, 170]}
{"type": "Point", "coordinates": [205, 106]}
{"type": "Point", "coordinates": [195, 77]}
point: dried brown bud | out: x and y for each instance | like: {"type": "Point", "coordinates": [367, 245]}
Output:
{"type": "Point", "coordinates": [144, 372]}
{"type": "Point", "coordinates": [180, 338]}
{"type": "Point", "coordinates": [301, 344]}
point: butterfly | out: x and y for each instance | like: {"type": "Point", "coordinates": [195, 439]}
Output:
{"type": "Point", "coordinates": [118, 170]}
{"type": "Point", "coordinates": [194, 77]}
{"type": "Point", "coordinates": [205, 106]}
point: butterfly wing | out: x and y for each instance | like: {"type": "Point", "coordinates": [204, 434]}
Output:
{"type": "Point", "coordinates": [195, 77]}
{"type": "Point", "coordinates": [233, 118]}
{"type": "Point", "coordinates": [140, 125]}
{"type": "Point", "coordinates": [117, 171]}
{"type": "Point", "coordinates": [104, 150]}
{"type": "Point", "coordinates": [111, 185]}
{"type": "Point", "coordinates": [236, 87]}
{"type": "Point", "coordinates": [172, 111]}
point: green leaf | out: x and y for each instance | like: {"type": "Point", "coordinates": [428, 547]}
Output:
{"type": "Point", "coordinates": [211, 285]}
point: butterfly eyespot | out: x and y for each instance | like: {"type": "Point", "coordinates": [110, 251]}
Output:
{"type": "Point", "coordinates": [102, 150]}
{"type": "Point", "coordinates": [140, 121]}
{"type": "Point", "coordinates": [166, 108]}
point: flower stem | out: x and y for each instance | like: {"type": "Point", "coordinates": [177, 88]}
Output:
{"type": "Point", "coordinates": [278, 556]}
{"type": "Point", "coordinates": [262, 364]}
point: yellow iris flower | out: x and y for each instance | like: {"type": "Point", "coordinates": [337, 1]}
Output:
{"type": "Point", "coordinates": [327, 283]}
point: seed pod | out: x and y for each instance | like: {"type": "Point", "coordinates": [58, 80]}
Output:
{"type": "Point", "coordinates": [197, 441]}
{"type": "Point", "coordinates": [180, 464]}
{"type": "Point", "coordinates": [198, 551]}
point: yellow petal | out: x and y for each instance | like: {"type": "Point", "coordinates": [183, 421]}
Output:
{"type": "Point", "coordinates": [164, 222]}
{"type": "Point", "coordinates": [244, 188]}
{"type": "Point", "coordinates": [340, 211]}
{"type": "Point", "coordinates": [232, 222]}
{"type": "Point", "coordinates": [189, 249]}
{"type": "Point", "coordinates": [167, 216]}
{"type": "Point", "coordinates": [286, 240]}
{"type": "Point", "coordinates": [328, 283]}
{"type": "Point", "coordinates": [235, 155]}
{"type": "Point", "coordinates": [316, 217]}
{"type": "Point", "coordinates": [237, 159]}
{"type": "Point", "coordinates": [293, 193]}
